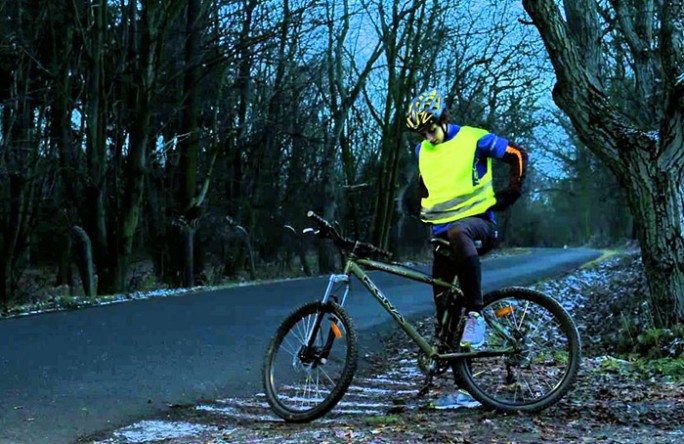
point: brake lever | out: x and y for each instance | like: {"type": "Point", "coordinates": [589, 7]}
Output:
{"type": "Point", "coordinates": [310, 231]}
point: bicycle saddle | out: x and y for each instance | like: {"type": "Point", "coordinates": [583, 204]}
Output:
{"type": "Point", "coordinates": [442, 246]}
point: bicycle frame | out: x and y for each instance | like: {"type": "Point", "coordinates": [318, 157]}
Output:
{"type": "Point", "coordinates": [354, 267]}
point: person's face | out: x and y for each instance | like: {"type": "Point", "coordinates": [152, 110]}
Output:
{"type": "Point", "coordinates": [433, 134]}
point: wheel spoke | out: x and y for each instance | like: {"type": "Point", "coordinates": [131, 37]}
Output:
{"type": "Point", "coordinates": [299, 383]}
{"type": "Point", "coordinates": [289, 348]}
{"type": "Point", "coordinates": [546, 359]}
{"type": "Point", "coordinates": [526, 384]}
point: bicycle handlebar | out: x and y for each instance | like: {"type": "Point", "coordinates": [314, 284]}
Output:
{"type": "Point", "coordinates": [357, 247]}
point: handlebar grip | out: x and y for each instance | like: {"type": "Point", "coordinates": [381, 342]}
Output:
{"type": "Point", "coordinates": [387, 254]}
{"type": "Point", "coordinates": [375, 250]}
{"type": "Point", "coordinates": [344, 242]}
{"type": "Point", "coordinates": [311, 215]}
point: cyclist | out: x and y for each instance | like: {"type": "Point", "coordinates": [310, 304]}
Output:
{"type": "Point", "coordinates": [458, 200]}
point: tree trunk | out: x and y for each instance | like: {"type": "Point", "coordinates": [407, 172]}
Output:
{"type": "Point", "coordinates": [154, 17]}
{"type": "Point", "coordinates": [341, 99]}
{"type": "Point", "coordinates": [187, 232]}
{"type": "Point", "coordinates": [135, 165]}
{"type": "Point", "coordinates": [189, 144]}
{"type": "Point", "coordinates": [649, 165]}
{"type": "Point", "coordinates": [17, 148]}
{"type": "Point", "coordinates": [238, 146]}
{"type": "Point", "coordinates": [657, 203]}
{"type": "Point", "coordinates": [94, 210]}
{"type": "Point", "coordinates": [5, 283]}
{"type": "Point", "coordinates": [401, 81]}
{"type": "Point", "coordinates": [84, 260]}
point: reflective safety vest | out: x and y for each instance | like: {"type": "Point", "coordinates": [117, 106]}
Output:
{"type": "Point", "coordinates": [455, 190]}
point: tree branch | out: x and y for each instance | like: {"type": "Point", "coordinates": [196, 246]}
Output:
{"type": "Point", "coordinates": [577, 91]}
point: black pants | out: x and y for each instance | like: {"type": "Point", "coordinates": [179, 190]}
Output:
{"type": "Point", "coordinates": [465, 260]}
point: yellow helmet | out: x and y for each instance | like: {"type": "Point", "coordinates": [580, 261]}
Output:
{"type": "Point", "coordinates": [424, 110]}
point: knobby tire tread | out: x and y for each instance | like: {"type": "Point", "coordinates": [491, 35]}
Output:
{"type": "Point", "coordinates": [347, 375]}
{"type": "Point", "coordinates": [568, 327]}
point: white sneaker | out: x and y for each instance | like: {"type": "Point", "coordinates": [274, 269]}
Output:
{"type": "Point", "coordinates": [474, 331]}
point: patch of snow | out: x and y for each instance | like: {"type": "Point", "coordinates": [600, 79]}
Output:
{"type": "Point", "coordinates": [606, 358]}
{"type": "Point", "coordinates": [145, 431]}
{"type": "Point", "coordinates": [76, 302]}
{"type": "Point", "coordinates": [244, 402]}
{"type": "Point", "coordinates": [358, 411]}
{"type": "Point", "coordinates": [365, 404]}
{"type": "Point", "coordinates": [235, 413]}
{"type": "Point", "coordinates": [383, 380]}
{"type": "Point", "coordinates": [406, 372]}
{"type": "Point", "coordinates": [379, 391]}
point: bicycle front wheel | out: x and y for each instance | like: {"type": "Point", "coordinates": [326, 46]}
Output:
{"type": "Point", "coordinates": [310, 362]}
{"type": "Point", "coordinates": [546, 356]}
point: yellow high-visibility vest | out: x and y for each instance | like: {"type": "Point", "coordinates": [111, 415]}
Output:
{"type": "Point", "coordinates": [454, 189]}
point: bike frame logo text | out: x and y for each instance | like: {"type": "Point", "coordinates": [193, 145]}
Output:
{"type": "Point", "coordinates": [381, 297]}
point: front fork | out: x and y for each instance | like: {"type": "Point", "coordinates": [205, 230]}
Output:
{"type": "Point", "coordinates": [336, 279]}
{"type": "Point", "coordinates": [328, 297]}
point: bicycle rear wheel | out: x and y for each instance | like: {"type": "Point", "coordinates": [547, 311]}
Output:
{"type": "Point", "coordinates": [546, 359]}
{"type": "Point", "coordinates": [305, 382]}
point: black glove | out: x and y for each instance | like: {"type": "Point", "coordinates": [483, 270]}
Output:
{"type": "Point", "coordinates": [505, 198]}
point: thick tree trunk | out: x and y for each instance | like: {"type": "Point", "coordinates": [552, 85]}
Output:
{"type": "Point", "coordinates": [649, 165]}
{"type": "Point", "coordinates": [657, 203]}
{"type": "Point", "coordinates": [189, 145]}
{"type": "Point", "coordinates": [94, 210]}
{"type": "Point", "coordinates": [136, 164]}
{"type": "Point", "coordinates": [154, 16]}
{"type": "Point", "coordinates": [11, 236]}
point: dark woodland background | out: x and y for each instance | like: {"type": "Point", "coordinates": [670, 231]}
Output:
{"type": "Point", "coordinates": [182, 142]}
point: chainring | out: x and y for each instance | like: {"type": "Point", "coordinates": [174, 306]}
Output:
{"type": "Point", "coordinates": [425, 363]}
{"type": "Point", "coordinates": [430, 366]}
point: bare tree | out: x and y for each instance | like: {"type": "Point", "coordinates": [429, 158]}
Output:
{"type": "Point", "coordinates": [298, 104]}
{"type": "Point", "coordinates": [483, 64]}
{"type": "Point", "coordinates": [401, 31]}
{"type": "Point", "coordinates": [342, 93]}
{"type": "Point", "coordinates": [646, 156]}
{"type": "Point", "coordinates": [23, 172]}
{"type": "Point", "coordinates": [116, 171]}
{"type": "Point", "coordinates": [190, 197]}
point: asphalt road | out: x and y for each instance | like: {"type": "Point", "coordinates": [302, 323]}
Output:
{"type": "Point", "coordinates": [69, 374]}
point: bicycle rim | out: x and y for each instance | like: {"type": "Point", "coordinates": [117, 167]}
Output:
{"type": "Point", "coordinates": [547, 355]}
{"type": "Point", "coordinates": [302, 383]}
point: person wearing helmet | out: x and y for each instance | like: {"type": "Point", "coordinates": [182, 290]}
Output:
{"type": "Point", "coordinates": [458, 200]}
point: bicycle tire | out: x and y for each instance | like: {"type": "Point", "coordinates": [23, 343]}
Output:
{"type": "Point", "coordinates": [278, 394]}
{"type": "Point", "coordinates": [525, 313]}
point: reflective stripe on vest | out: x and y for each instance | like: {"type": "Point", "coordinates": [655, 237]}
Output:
{"type": "Point", "coordinates": [447, 170]}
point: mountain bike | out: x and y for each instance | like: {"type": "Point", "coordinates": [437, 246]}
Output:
{"type": "Point", "coordinates": [529, 361]}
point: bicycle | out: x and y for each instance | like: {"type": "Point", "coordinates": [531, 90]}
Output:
{"type": "Point", "coordinates": [531, 357]}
